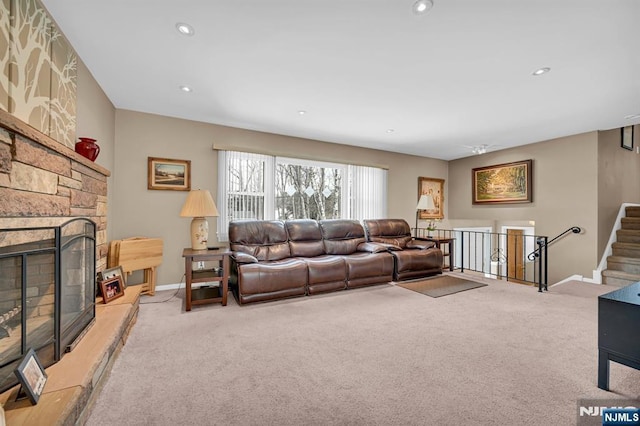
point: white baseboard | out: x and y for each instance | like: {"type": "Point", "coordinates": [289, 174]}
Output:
{"type": "Point", "coordinates": [577, 278]}
{"type": "Point", "coordinates": [169, 286]}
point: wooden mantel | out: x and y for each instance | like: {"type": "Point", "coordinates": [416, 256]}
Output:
{"type": "Point", "coordinates": [16, 125]}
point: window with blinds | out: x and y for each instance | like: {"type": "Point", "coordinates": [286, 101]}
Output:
{"type": "Point", "coordinates": [255, 186]}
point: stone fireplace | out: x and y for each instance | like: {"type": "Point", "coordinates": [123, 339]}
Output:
{"type": "Point", "coordinates": [52, 241]}
{"type": "Point", "coordinates": [47, 292]}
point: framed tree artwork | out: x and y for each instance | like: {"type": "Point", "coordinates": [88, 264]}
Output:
{"type": "Point", "coordinates": [503, 183]}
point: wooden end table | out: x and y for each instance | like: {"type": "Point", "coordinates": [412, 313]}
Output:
{"type": "Point", "coordinates": [204, 295]}
{"type": "Point", "coordinates": [439, 242]}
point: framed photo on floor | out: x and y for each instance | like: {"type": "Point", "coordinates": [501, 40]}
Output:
{"type": "Point", "coordinates": [31, 376]}
{"type": "Point", "coordinates": [107, 274]}
{"type": "Point", "coordinates": [112, 289]}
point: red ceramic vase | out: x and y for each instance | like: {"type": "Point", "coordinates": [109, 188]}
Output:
{"type": "Point", "coordinates": [88, 148]}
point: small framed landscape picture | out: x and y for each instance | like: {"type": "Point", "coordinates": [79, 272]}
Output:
{"type": "Point", "coordinates": [31, 376]}
{"type": "Point", "coordinates": [112, 289]}
{"type": "Point", "coordinates": [626, 135]}
{"type": "Point", "coordinates": [164, 173]}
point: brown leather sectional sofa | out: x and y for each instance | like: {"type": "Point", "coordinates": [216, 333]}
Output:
{"type": "Point", "coordinates": [278, 259]}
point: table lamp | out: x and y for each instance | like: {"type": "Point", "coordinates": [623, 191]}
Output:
{"type": "Point", "coordinates": [424, 203]}
{"type": "Point", "coordinates": [199, 205]}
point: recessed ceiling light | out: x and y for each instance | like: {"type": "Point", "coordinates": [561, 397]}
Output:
{"type": "Point", "coordinates": [185, 29]}
{"type": "Point", "coordinates": [422, 6]}
{"type": "Point", "coordinates": [541, 71]}
{"type": "Point", "coordinates": [302, 112]}
{"type": "Point", "coordinates": [390, 130]}
{"type": "Point", "coordinates": [186, 89]}
{"type": "Point", "coordinates": [632, 117]}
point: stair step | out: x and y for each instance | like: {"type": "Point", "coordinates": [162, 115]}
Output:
{"type": "Point", "coordinates": [625, 264]}
{"type": "Point", "coordinates": [630, 222]}
{"type": "Point", "coordinates": [632, 211]}
{"type": "Point", "coordinates": [618, 278]}
{"type": "Point", "coordinates": [628, 236]}
{"type": "Point", "coordinates": [626, 249]}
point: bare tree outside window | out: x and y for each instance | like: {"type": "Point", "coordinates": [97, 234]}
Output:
{"type": "Point", "coordinates": [307, 192]}
{"type": "Point", "coordinates": [263, 187]}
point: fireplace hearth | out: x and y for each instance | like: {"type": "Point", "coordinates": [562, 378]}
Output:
{"type": "Point", "coordinates": [47, 291]}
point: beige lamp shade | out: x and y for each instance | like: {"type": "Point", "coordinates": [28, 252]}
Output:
{"type": "Point", "coordinates": [199, 204]}
{"type": "Point", "coordinates": [425, 203]}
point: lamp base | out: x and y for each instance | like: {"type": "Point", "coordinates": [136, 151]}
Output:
{"type": "Point", "coordinates": [199, 233]}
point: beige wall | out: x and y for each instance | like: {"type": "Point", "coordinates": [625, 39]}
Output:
{"type": "Point", "coordinates": [579, 180]}
{"type": "Point", "coordinates": [564, 195]}
{"type": "Point", "coordinates": [618, 179]}
{"type": "Point", "coordinates": [96, 118]}
{"type": "Point", "coordinates": [137, 211]}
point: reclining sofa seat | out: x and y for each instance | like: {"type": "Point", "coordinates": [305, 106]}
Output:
{"type": "Point", "coordinates": [413, 259]}
{"type": "Point", "coordinates": [325, 273]}
{"type": "Point", "coordinates": [366, 263]}
{"type": "Point", "coordinates": [275, 259]}
{"type": "Point", "coordinates": [262, 267]}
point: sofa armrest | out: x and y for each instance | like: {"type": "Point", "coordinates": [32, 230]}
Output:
{"type": "Point", "coordinates": [242, 258]}
{"type": "Point", "coordinates": [420, 245]}
{"type": "Point", "coordinates": [372, 247]}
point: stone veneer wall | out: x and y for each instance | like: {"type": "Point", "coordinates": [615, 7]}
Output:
{"type": "Point", "coordinates": [44, 183]}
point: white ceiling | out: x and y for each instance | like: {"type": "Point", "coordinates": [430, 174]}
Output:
{"type": "Point", "coordinates": [459, 76]}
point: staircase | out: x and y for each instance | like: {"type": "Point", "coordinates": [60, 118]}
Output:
{"type": "Point", "coordinates": [623, 266]}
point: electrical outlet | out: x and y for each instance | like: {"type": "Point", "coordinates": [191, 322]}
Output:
{"type": "Point", "coordinates": [200, 265]}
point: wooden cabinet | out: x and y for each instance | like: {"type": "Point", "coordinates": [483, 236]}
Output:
{"type": "Point", "coordinates": [618, 325]}
{"type": "Point", "coordinates": [219, 272]}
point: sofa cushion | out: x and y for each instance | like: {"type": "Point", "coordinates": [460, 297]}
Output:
{"type": "Point", "coordinates": [266, 240]}
{"type": "Point", "coordinates": [341, 236]}
{"type": "Point", "coordinates": [389, 231]}
{"type": "Point", "coordinates": [326, 273]}
{"type": "Point", "coordinates": [271, 280]}
{"type": "Point", "coordinates": [305, 238]}
{"type": "Point", "coordinates": [368, 268]}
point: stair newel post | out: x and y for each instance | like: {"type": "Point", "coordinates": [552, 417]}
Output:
{"type": "Point", "coordinates": [540, 241]}
{"type": "Point", "coordinates": [546, 269]}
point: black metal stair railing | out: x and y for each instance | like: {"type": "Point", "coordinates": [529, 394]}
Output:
{"type": "Point", "coordinates": [499, 255]}
{"type": "Point", "coordinates": [543, 243]}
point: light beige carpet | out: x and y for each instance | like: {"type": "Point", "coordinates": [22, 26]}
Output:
{"type": "Point", "coordinates": [503, 354]}
{"type": "Point", "coordinates": [442, 285]}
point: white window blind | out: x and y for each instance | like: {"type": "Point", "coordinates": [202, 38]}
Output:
{"type": "Point", "coordinates": [245, 188]}
{"type": "Point", "coordinates": [368, 193]}
{"type": "Point", "coordinates": [255, 186]}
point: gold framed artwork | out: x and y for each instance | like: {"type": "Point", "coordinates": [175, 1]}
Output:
{"type": "Point", "coordinates": [434, 188]}
{"type": "Point", "coordinates": [165, 173]}
{"type": "Point", "coordinates": [503, 183]}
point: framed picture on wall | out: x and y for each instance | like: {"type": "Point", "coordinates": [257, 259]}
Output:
{"type": "Point", "coordinates": [433, 189]}
{"type": "Point", "coordinates": [503, 183]}
{"type": "Point", "coordinates": [626, 137]}
{"type": "Point", "coordinates": [165, 173]}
